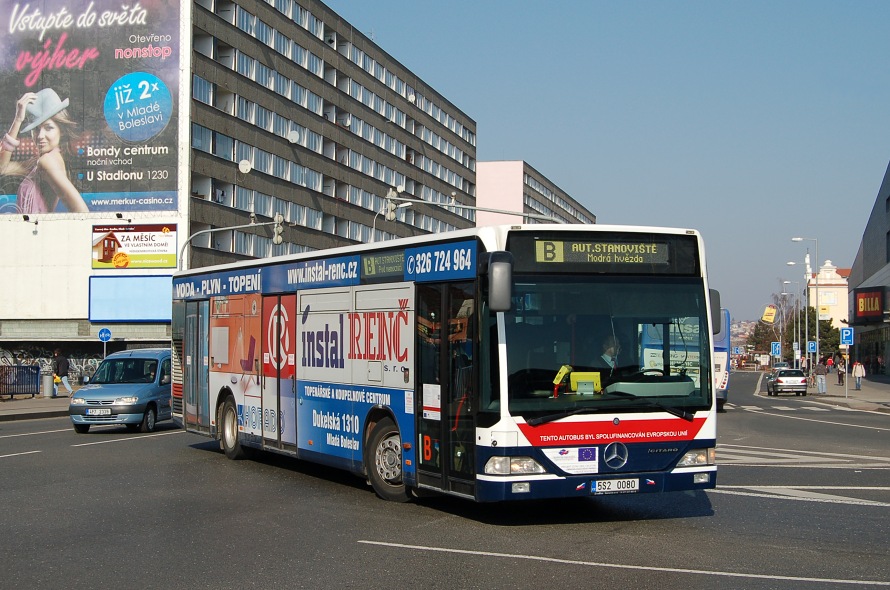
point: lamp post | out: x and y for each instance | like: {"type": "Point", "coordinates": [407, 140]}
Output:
{"type": "Point", "coordinates": [806, 312]}
{"type": "Point", "coordinates": [796, 318]}
{"type": "Point", "coordinates": [782, 320]}
{"type": "Point", "coordinates": [816, 285]}
{"type": "Point", "coordinates": [276, 239]}
{"type": "Point", "coordinates": [389, 207]}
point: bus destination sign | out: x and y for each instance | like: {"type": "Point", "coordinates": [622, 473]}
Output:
{"type": "Point", "coordinates": [601, 252]}
{"type": "Point", "coordinates": [383, 265]}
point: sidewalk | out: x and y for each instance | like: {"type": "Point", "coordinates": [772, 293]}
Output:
{"type": "Point", "coordinates": [25, 407]}
{"type": "Point", "coordinates": [875, 393]}
{"type": "Point", "coordinates": [874, 396]}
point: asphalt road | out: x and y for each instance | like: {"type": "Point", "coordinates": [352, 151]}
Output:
{"type": "Point", "coordinates": [803, 501]}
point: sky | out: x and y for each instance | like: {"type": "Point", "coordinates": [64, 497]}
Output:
{"type": "Point", "coordinates": [752, 122]}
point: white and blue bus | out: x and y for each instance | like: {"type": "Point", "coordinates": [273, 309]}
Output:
{"type": "Point", "coordinates": [464, 363]}
{"type": "Point", "coordinates": [722, 348]}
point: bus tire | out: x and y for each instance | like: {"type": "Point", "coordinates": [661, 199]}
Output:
{"type": "Point", "coordinates": [383, 461]}
{"type": "Point", "coordinates": [228, 435]}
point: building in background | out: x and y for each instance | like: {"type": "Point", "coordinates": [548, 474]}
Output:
{"type": "Point", "coordinates": [184, 117]}
{"type": "Point", "coordinates": [833, 291]}
{"type": "Point", "coordinates": [516, 186]}
{"type": "Point", "coordinates": [868, 284]}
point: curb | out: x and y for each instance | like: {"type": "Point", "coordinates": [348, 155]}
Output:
{"type": "Point", "coordinates": [33, 415]}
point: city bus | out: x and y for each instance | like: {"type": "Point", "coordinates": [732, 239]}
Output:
{"type": "Point", "coordinates": [722, 347]}
{"type": "Point", "coordinates": [462, 363]}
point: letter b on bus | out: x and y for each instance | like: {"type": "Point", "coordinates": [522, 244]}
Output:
{"type": "Point", "coordinates": [548, 251]}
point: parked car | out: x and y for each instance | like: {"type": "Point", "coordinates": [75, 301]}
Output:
{"type": "Point", "coordinates": [130, 387]}
{"type": "Point", "coordinates": [786, 381]}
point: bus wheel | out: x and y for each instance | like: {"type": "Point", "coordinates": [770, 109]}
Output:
{"type": "Point", "coordinates": [229, 431]}
{"type": "Point", "coordinates": [383, 461]}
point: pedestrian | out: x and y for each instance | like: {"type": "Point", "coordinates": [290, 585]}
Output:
{"type": "Point", "coordinates": [60, 372]}
{"type": "Point", "coordinates": [820, 371]}
{"type": "Point", "coordinates": [841, 370]}
{"type": "Point", "coordinates": [828, 364]}
{"type": "Point", "coordinates": [858, 374]}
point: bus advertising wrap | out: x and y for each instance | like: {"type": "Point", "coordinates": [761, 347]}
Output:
{"type": "Point", "coordinates": [88, 111]}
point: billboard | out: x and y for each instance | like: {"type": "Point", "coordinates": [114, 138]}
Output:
{"type": "Point", "coordinates": [134, 246]}
{"type": "Point", "coordinates": [88, 93]}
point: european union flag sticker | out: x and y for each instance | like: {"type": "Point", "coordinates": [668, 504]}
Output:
{"type": "Point", "coordinates": [587, 454]}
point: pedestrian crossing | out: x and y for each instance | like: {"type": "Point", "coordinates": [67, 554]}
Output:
{"type": "Point", "coordinates": [781, 408]}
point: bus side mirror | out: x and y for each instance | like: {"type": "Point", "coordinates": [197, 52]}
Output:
{"type": "Point", "coordinates": [499, 268]}
{"type": "Point", "coordinates": [716, 317]}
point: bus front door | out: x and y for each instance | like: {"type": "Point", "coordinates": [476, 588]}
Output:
{"type": "Point", "coordinates": [446, 342]}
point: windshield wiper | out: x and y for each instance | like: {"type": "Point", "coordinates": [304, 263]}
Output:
{"type": "Point", "coordinates": [678, 412]}
{"type": "Point", "coordinates": [551, 417]}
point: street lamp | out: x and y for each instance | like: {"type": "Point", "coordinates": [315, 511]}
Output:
{"type": "Point", "coordinates": [796, 318]}
{"type": "Point", "coordinates": [816, 286]}
{"type": "Point", "coordinates": [389, 208]}
{"type": "Point", "coordinates": [276, 232]}
{"type": "Point", "coordinates": [806, 312]}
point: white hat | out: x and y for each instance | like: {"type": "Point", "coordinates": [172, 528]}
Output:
{"type": "Point", "coordinates": [45, 107]}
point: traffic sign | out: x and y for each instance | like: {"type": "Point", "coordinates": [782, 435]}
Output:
{"type": "Point", "coordinates": [776, 349]}
{"type": "Point", "coordinates": [811, 346]}
{"type": "Point", "coordinates": [104, 335]}
{"type": "Point", "coordinates": [847, 336]}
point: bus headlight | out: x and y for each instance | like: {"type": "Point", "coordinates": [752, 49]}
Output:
{"type": "Point", "coordinates": [697, 457]}
{"type": "Point", "coordinates": [512, 466]}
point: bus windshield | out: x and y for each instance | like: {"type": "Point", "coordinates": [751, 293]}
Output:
{"type": "Point", "coordinates": [591, 343]}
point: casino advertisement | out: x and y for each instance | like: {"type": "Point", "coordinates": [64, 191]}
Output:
{"type": "Point", "coordinates": [88, 106]}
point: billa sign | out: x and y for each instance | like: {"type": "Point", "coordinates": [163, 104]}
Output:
{"type": "Point", "coordinates": [769, 314]}
{"type": "Point", "coordinates": [868, 305]}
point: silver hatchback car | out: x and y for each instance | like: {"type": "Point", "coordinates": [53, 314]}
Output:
{"type": "Point", "coordinates": [130, 387]}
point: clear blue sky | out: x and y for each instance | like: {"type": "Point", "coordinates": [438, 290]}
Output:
{"type": "Point", "coordinates": [753, 121]}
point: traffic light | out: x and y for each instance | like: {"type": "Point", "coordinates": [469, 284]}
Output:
{"type": "Point", "coordinates": [277, 229]}
{"type": "Point", "coordinates": [390, 210]}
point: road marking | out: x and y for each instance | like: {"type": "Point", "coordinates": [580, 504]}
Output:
{"type": "Point", "coordinates": [33, 433]}
{"type": "Point", "coordinates": [103, 442]}
{"type": "Point", "coordinates": [629, 566]}
{"type": "Point", "coordinates": [766, 413]}
{"type": "Point", "coordinates": [802, 494]}
{"type": "Point", "coordinates": [729, 455]}
{"type": "Point", "coordinates": [19, 454]}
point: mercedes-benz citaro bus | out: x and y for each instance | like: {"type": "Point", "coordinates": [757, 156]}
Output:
{"type": "Point", "coordinates": [469, 363]}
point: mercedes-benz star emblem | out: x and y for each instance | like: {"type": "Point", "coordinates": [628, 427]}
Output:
{"type": "Point", "coordinates": [615, 455]}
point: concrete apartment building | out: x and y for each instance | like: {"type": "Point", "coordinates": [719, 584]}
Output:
{"type": "Point", "coordinates": [195, 116]}
{"type": "Point", "coordinates": [515, 185]}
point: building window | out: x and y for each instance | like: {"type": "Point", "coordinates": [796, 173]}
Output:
{"type": "Point", "coordinates": [202, 90]}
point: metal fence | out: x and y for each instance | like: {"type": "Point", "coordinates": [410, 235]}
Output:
{"type": "Point", "coordinates": [19, 380]}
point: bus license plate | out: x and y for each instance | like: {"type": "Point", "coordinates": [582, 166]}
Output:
{"type": "Point", "coordinates": [98, 411]}
{"type": "Point", "coordinates": [615, 486]}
